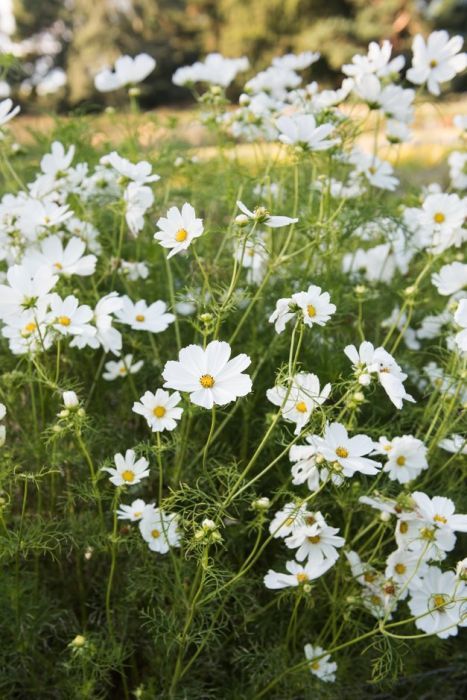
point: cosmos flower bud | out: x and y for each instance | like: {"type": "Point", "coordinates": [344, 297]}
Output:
{"type": "Point", "coordinates": [384, 516]}
{"type": "Point", "coordinates": [70, 399]}
{"type": "Point", "coordinates": [358, 397]}
{"type": "Point", "coordinates": [364, 379]}
{"type": "Point", "coordinates": [461, 570]}
{"type": "Point", "coordinates": [262, 503]}
{"type": "Point", "coordinates": [241, 220]}
{"type": "Point", "coordinates": [78, 642]}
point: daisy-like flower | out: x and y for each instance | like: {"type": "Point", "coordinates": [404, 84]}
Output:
{"type": "Point", "coordinates": [460, 317]}
{"type": "Point", "coordinates": [127, 71]}
{"type": "Point", "coordinates": [121, 368]}
{"type": "Point", "coordinates": [104, 334]}
{"type": "Point", "coordinates": [65, 260]}
{"type": "Point", "coordinates": [57, 162]}
{"type": "Point", "coordinates": [367, 361]}
{"type": "Point", "coordinates": [128, 470]}
{"type": "Point", "coordinates": [160, 530]}
{"type": "Point", "coordinates": [338, 448]}
{"type": "Point", "coordinates": [24, 290]}
{"type": "Point", "coordinates": [406, 458]}
{"type": "Point", "coordinates": [298, 401]}
{"type": "Point", "coordinates": [289, 518]}
{"type": "Point", "coordinates": [440, 221]}
{"type": "Point", "coordinates": [178, 229]}
{"type": "Point", "coordinates": [458, 170]}
{"type": "Point", "coordinates": [209, 375]}
{"type": "Point", "coordinates": [439, 511]}
{"type": "Point", "coordinates": [437, 60]}
{"type": "Point", "coordinates": [139, 173]}
{"type": "Point", "coordinates": [379, 173]}
{"type": "Point", "coordinates": [137, 510]}
{"type": "Point", "coordinates": [438, 601]}
{"type": "Point", "coordinates": [215, 69]}
{"type": "Point", "coordinates": [313, 304]}
{"type": "Point", "coordinates": [320, 664]}
{"type": "Point", "coordinates": [451, 278]}
{"type": "Point", "coordinates": [262, 216]}
{"type": "Point", "coordinates": [300, 130]}
{"type": "Point", "coordinates": [141, 317]}
{"type": "Point", "coordinates": [7, 111]}
{"type": "Point", "coordinates": [161, 409]}
{"type": "Point", "coordinates": [305, 467]}
{"type": "Point", "coordinates": [69, 318]}
{"type": "Point", "coordinates": [455, 444]}
{"type": "Point", "coordinates": [403, 566]}
{"type": "Point", "coordinates": [316, 542]}
{"type": "Point", "coordinates": [138, 199]}
{"type": "Point", "coordinates": [423, 537]}
{"type": "Point", "coordinates": [299, 574]}
{"type": "Point", "coordinates": [377, 61]}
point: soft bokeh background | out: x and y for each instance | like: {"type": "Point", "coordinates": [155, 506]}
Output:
{"type": "Point", "coordinates": [51, 49]}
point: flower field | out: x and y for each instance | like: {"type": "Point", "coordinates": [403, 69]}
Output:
{"type": "Point", "coordinates": [233, 391]}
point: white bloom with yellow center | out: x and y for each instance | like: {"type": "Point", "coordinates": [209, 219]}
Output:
{"type": "Point", "coordinates": [178, 229]}
{"type": "Point", "coordinates": [153, 318]}
{"type": "Point", "coordinates": [438, 601]}
{"type": "Point", "coordinates": [451, 278]}
{"type": "Point", "coordinates": [298, 401]}
{"type": "Point", "coordinates": [208, 374]}
{"type": "Point", "coordinates": [299, 574]}
{"type": "Point", "coordinates": [320, 664]}
{"type": "Point", "coordinates": [406, 458]}
{"type": "Point", "coordinates": [317, 542]}
{"type": "Point", "coordinates": [315, 304]}
{"type": "Point", "coordinates": [161, 409]}
{"type": "Point", "coordinates": [69, 318]}
{"type": "Point", "coordinates": [63, 259]}
{"type": "Point", "coordinates": [346, 453]}
{"type": "Point", "coordinates": [291, 517]}
{"type": "Point", "coordinates": [262, 216]}
{"type": "Point", "coordinates": [305, 467]}
{"type": "Point", "coordinates": [121, 368]}
{"type": "Point", "coordinates": [440, 511]}
{"type": "Point", "coordinates": [403, 566]}
{"type": "Point", "coordinates": [128, 470]}
{"type": "Point", "coordinates": [160, 530]}
{"type": "Point", "coordinates": [436, 60]}
{"type": "Point", "coordinates": [135, 511]}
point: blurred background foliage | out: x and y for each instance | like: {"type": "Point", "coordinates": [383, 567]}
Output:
{"type": "Point", "coordinates": [84, 35]}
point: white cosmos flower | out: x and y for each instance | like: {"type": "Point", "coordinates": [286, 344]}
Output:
{"type": "Point", "coordinates": [7, 111]}
{"type": "Point", "coordinates": [403, 566]}
{"type": "Point", "coordinates": [458, 170]}
{"type": "Point", "coordinates": [161, 409]}
{"type": "Point", "coordinates": [209, 375]}
{"type": "Point", "coordinates": [451, 278]}
{"type": "Point", "coordinates": [291, 517]}
{"type": "Point", "coordinates": [69, 318]}
{"type": "Point", "coordinates": [2, 411]}
{"type": "Point", "coordinates": [298, 401]}
{"type": "Point", "coordinates": [406, 458]}
{"type": "Point", "coordinates": [65, 260]}
{"type": "Point", "coordinates": [24, 289]}
{"type": "Point", "coordinates": [368, 360]}
{"type": "Point", "coordinates": [320, 664]}
{"type": "Point", "coordinates": [262, 216]}
{"type": "Point", "coordinates": [134, 270]}
{"type": "Point", "coordinates": [138, 199]}
{"type": "Point", "coordinates": [128, 470]}
{"type": "Point", "coordinates": [300, 130]}
{"type": "Point", "coordinates": [377, 61]}
{"type": "Point", "coordinates": [104, 335]}
{"type": "Point", "coordinates": [337, 446]}
{"type": "Point", "coordinates": [439, 601]}
{"type": "Point", "coordinates": [455, 443]}
{"type": "Point", "coordinates": [440, 221]}
{"type": "Point", "coordinates": [253, 257]}
{"type": "Point", "coordinates": [299, 574]}
{"type": "Point", "coordinates": [178, 229]}
{"type": "Point", "coordinates": [460, 317]}
{"type": "Point", "coordinates": [135, 511]}
{"type": "Point", "coordinates": [305, 467]}
{"type": "Point", "coordinates": [439, 511]}
{"type": "Point", "coordinates": [55, 163]}
{"type": "Point", "coordinates": [28, 330]}
{"type": "Point", "coordinates": [293, 61]}
{"type": "Point", "coordinates": [423, 537]}
{"type": "Point", "coordinates": [437, 60]}
{"type": "Point", "coordinates": [314, 305]}
{"type": "Point", "coordinates": [153, 318]}
{"type": "Point", "coordinates": [140, 173]}
{"type": "Point", "coordinates": [215, 69]}
{"type": "Point", "coordinates": [121, 368]}
{"type": "Point", "coordinates": [127, 71]}
{"type": "Point", "coordinates": [379, 173]}
{"type": "Point", "coordinates": [160, 530]}
{"type": "Point", "coordinates": [316, 542]}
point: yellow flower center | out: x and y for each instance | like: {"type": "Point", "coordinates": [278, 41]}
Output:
{"type": "Point", "coordinates": [439, 217]}
{"type": "Point", "coordinates": [342, 452]}
{"type": "Point", "coordinates": [301, 407]}
{"type": "Point", "coordinates": [440, 519]}
{"type": "Point", "coordinates": [433, 63]}
{"type": "Point", "coordinates": [311, 311]}
{"type": "Point", "coordinates": [400, 568]}
{"type": "Point", "coordinates": [159, 411]}
{"type": "Point", "coordinates": [206, 381]}
{"type": "Point", "coordinates": [439, 600]}
{"type": "Point", "coordinates": [315, 665]}
{"type": "Point", "coordinates": [128, 475]}
{"type": "Point", "coordinates": [58, 266]}
{"type": "Point", "coordinates": [403, 527]}
{"type": "Point", "coordinates": [400, 461]}
{"type": "Point", "coordinates": [302, 577]}
{"type": "Point", "coordinates": [181, 235]}
{"type": "Point", "coordinates": [64, 320]}
{"type": "Point", "coordinates": [375, 599]}
{"type": "Point", "coordinates": [155, 533]}
{"type": "Point", "coordinates": [427, 534]}
{"type": "Point", "coordinates": [310, 520]}
{"type": "Point", "coordinates": [140, 318]}
{"type": "Point", "coordinates": [369, 577]}
{"type": "Point", "coordinates": [138, 514]}
{"type": "Point", "coordinates": [122, 370]}
{"type": "Point", "coordinates": [314, 539]}
{"type": "Point", "coordinates": [387, 448]}
{"type": "Point", "coordinates": [372, 170]}
{"type": "Point", "coordinates": [29, 328]}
